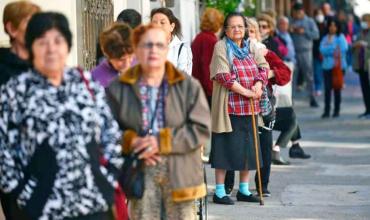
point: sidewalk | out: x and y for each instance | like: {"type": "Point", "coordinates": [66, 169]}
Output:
{"type": "Point", "coordinates": [333, 184]}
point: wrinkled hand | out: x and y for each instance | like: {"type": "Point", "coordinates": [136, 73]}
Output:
{"type": "Point", "coordinates": [257, 89]}
{"type": "Point", "coordinates": [147, 146]}
{"type": "Point", "coordinates": [153, 160]}
{"type": "Point", "coordinates": [249, 94]}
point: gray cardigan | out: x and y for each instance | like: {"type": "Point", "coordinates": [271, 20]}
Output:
{"type": "Point", "coordinates": [303, 42]}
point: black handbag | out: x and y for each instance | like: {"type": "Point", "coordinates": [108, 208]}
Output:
{"type": "Point", "coordinates": [131, 178]}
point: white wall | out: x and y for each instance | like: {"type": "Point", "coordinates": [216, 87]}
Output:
{"type": "Point", "coordinates": [185, 10]}
{"type": "Point", "coordinates": [68, 8]}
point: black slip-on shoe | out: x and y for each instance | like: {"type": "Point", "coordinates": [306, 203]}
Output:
{"type": "Point", "coordinates": [226, 200]}
{"type": "Point", "coordinates": [364, 115]}
{"type": "Point", "coordinates": [325, 115]}
{"type": "Point", "coordinates": [296, 151]}
{"type": "Point", "coordinates": [313, 103]}
{"type": "Point", "coordinates": [243, 198]}
{"type": "Point", "coordinates": [335, 115]}
{"type": "Point", "coordinates": [265, 193]}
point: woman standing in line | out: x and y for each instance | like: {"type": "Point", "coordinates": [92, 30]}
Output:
{"type": "Point", "coordinates": [179, 53]}
{"type": "Point", "coordinates": [332, 45]}
{"type": "Point", "coordinates": [54, 129]}
{"type": "Point", "coordinates": [236, 79]}
{"type": "Point", "coordinates": [202, 48]}
{"type": "Point", "coordinates": [163, 112]}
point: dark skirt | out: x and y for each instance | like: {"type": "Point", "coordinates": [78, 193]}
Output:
{"type": "Point", "coordinates": [235, 150]}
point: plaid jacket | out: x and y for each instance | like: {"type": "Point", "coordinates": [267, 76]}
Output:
{"type": "Point", "coordinates": [246, 72]}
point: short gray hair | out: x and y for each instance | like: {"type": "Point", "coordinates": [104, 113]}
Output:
{"type": "Point", "coordinates": [283, 18]}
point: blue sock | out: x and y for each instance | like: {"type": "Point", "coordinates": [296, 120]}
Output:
{"type": "Point", "coordinates": [220, 190]}
{"type": "Point", "coordinates": [244, 188]}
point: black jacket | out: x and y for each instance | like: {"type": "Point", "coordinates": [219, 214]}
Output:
{"type": "Point", "coordinates": [271, 44]}
{"type": "Point", "coordinates": [10, 65]}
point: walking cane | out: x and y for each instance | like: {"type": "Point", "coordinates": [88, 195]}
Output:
{"type": "Point", "coordinates": [256, 148]}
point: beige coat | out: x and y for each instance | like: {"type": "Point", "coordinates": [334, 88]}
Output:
{"type": "Point", "coordinates": [220, 64]}
{"type": "Point", "coordinates": [187, 126]}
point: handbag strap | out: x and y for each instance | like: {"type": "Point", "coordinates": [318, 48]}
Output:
{"type": "Point", "coordinates": [160, 97]}
{"type": "Point", "coordinates": [86, 82]}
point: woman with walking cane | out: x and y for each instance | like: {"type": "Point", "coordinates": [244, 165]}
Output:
{"type": "Point", "coordinates": [237, 77]}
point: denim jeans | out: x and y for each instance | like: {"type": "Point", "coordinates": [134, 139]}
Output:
{"type": "Point", "coordinates": [318, 78]}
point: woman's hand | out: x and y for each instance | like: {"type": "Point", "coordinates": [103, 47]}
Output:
{"type": "Point", "coordinates": [249, 93]}
{"type": "Point", "coordinates": [257, 89]}
{"type": "Point", "coordinates": [147, 146]}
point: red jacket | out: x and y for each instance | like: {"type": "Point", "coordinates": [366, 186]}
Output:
{"type": "Point", "coordinates": [202, 49]}
{"type": "Point", "coordinates": [281, 71]}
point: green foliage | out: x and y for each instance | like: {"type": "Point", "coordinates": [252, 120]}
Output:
{"type": "Point", "coordinates": [226, 6]}
{"type": "Point", "coordinates": [250, 8]}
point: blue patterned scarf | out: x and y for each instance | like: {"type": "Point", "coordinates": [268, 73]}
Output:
{"type": "Point", "coordinates": [233, 50]}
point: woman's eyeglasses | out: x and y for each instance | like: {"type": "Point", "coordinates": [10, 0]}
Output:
{"type": "Point", "coordinates": [151, 45]}
{"type": "Point", "coordinates": [239, 27]}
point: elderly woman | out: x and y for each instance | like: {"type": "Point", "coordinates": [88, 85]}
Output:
{"type": "Point", "coordinates": [164, 113]}
{"type": "Point", "coordinates": [179, 53]}
{"type": "Point", "coordinates": [237, 78]}
{"type": "Point", "coordinates": [13, 60]}
{"type": "Point", "coordinates": [267, 30]}
{"type": "Point", "coordinates": [279, 74]}
{"type": "Point", "coordinates": [116, 45]}
{"type": "Point", "coordinates": [202, 48]}
{"type": "Point", "coordinates": [54, 132]}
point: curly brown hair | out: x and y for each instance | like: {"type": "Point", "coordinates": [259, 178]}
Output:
{"type": "Point", "coordinates": [211, 20]}
{"type": "Point", "coordinates": [115, 41]}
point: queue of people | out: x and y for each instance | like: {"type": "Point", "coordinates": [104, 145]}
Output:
{"type": "Point", "coordinates": [65, 133]}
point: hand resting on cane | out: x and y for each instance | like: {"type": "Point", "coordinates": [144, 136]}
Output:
{"type": "Point", "coordinates": [255, 92]}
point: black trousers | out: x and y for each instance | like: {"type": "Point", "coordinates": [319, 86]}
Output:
{"type": "Point", "coordinates": [328, 83]}
{"type": "Point", "coordinates": [8, 205]}
{"type": "Point", "coordinates": [286, 123]}
{"type": "Point", "coordinates": [365, 88]}
{"type": "Point", "coordinates": [266, 146]}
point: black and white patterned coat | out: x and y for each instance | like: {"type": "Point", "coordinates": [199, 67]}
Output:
{"type": "Point", "coordinates": [48, 145]}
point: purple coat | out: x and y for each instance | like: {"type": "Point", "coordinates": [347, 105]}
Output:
{"type": "Point", "coordinates": [104, 73]}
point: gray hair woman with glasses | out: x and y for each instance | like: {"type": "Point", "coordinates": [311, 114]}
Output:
{"type": "Point", "coordinates": [238, 74]}
{"type": "Point", "coordinates": [164, 114]}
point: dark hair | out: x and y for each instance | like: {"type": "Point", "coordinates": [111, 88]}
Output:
{"type": "Point", "coordinates": [226, 22]}
{"type": "Point", "coordinates": [171, 17]}
{"type": "Point", "coordinates": [42, 22]}
{"type": "Point", "coordinates": [130, 17]}
{"type": "Point", "coordinates": [337, 24]}
{"type": "Point", "coordinates": [298, 6]}
{"type": "Point", "coordinates": [115, 40]}
{"type": "Point", "coordinates": [140, 31]}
